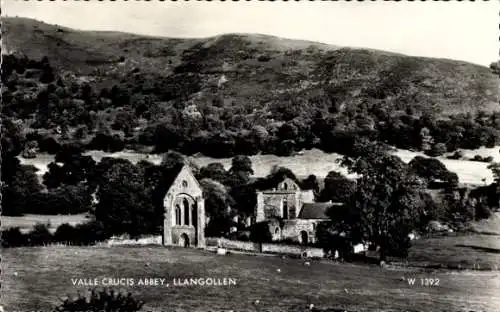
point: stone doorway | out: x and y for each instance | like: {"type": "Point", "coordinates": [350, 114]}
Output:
{"type": "Point", "coordinates": [184, 240]}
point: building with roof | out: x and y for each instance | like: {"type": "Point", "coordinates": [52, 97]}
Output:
{"type": "Point", "coordinates": [292, 213]}
{"type": "Point", "coordinates": [184, 216]}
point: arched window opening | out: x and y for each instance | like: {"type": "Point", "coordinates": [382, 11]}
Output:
{"type": "Point", "coordinates": [178, 214]}
{"type": "Point", "coordinates": [186, 211]}
{"type": "Point", "coordinates": [285, 186]}
{"type": "Point", "coordinates": [194, 215]}
{"type": "Point", "coordinates": [285, 208]}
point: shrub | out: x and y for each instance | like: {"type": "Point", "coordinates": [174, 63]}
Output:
{"type": "Point", "coordinates": [13, 237]}
{"type": "Point", "coordinates": [482, 159]}
{"type": "Point", "coordinates": [483, 211]}
{"type": "Point", "coordinates": [260, 233]}
{"type": "Point", "coordinates": [101, 300]}
{"type": "Point", "coordinates": [66, 234]}
{"type": "Point", "coordinates": [263, 58]}
{"type": "Point", "coordinates": [40, 235]}
{"type": "Point", "coordinates": [90, 233]}
{"type": "Point", "coordinates": [437, 149]}
{"type": "Point", "coordinates": [456, 155]}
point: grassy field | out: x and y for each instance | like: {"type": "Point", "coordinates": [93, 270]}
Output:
{"type": "Point", "coordinates": [27, 221]}
{"type": "Point", "coordinates": [35, 279]}
{"type": "Point", "coordinates": [457, 251]}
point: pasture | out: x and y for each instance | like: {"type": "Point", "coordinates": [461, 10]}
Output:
{"type": "Point", "coordinates": [35, 279]}
{"type": "Point", "coordinates": [311, 162]}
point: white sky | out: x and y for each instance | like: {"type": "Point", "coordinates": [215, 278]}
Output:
{"type": "Point", "coordinates": [466, 30]}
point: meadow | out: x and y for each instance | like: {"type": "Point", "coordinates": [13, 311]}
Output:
{"type": "Point", "coordinates": [36, 279]}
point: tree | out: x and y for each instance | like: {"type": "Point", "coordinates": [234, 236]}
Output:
{"type": "Point", "coordinates": [217, 202]}
{"type": "Point", "coordinates": [240, 171]}
{"type": "Point", "coordinates": [310, 183]}
{"type": "Point", "coordinates": [437, 149]}
{"type": "Point", "coordinates": [432, 169]}
{"type": "Point", "coordinates": [387, 202]}
{"type": "Point", "coordinates": [18, 190]}
{"type": "Point", "coordinates": [241, 163]}
{"type": "Point", "coordinates": [65, 199]}
{"type": "Point", "coordinates": [426, 139]}
{"type": "Point", "coordinates": [495, 169]}
{"type": "Point", "coordinates": [125, 204]}
{"type": "Point", "coordinates": [244, 198]}
{"type": "Point", "coordinates": [75, 168]}
{"type": "Point", "coordinates": [337, 188]}
{"type": "Point", "coordinates": [214, 171]}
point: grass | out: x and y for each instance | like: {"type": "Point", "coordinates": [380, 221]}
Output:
{"type": "Point", "coordinates": [34, 279]}
{"type": "Point", "coordinates": [465, 251]}
{"type": "Point", "coordinates": [27, 221]}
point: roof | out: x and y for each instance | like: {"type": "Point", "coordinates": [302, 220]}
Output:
{"type": "Point", "coordinates": [316, 210]}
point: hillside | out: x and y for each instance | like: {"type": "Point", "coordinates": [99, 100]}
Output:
{"type": "Point", "coordinates": [235, 92]}
{"type": "Point", "coordinates": [260, 68]}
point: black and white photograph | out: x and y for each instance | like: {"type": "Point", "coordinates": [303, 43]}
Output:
{"type": "Point", "coordinates": [250, 156]}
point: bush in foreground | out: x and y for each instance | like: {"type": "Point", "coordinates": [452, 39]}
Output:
{"type": "Point", "coordinates": [101, 300]}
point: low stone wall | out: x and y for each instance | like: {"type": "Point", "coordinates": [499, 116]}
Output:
{"type": "Point", "coordinates": [150, 240]}
{"type": "Point", "coordinates": [234, 244]}
{"type": "Point", "coordinates": [311, 252]}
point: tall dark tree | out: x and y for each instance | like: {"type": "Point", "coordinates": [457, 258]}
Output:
{"type": "Point", "coordinates": [125, 204]}
{"type": "Point", "coordinates": [387, 202]}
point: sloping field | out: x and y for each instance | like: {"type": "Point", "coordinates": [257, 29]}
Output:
{"type": "Point", "coordinates": [34, 279]}
{"type": "Point", "coordinates": [464, 251]}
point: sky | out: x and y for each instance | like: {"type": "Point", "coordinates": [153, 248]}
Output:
{"type": "Point", "coordinates": [467, 31]}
